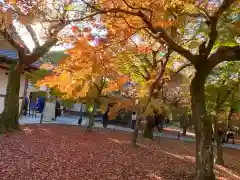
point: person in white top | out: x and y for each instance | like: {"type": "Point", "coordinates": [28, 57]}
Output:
{"type": "Point", "coordinates": [134, 119]}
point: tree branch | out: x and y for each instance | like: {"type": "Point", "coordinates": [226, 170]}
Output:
{"type": "Point", "coordinates": [136, 69]}
{"type": "Point", "coordinates": [161, 33]}
{"type": "Point", "coordinates": [33, 35]}
{"type": "Point", "coordinates": [139, 8]}
{"type": "Point", "coordinates": [146, 60]}
{"type": "Point", "coordinates": [39, 52]}
{"type": "Point", "coordinates": [224, 53]}
{"type": "Point", "coordinates": [8, 35]}
{"type": "Point", "coordinates": [213, 33]}
{"type": "Point", "coordinates": [154, 56]}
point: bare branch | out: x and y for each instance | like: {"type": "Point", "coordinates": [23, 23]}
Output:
{"type": "Point", "coordinates": [33, 35]}
{"type": "Point", "coordinates": [8, 35]}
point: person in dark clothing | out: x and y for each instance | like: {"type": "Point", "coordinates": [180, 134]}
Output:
{"type": "Point", "coordinates": [134, 119]}
{"type": "Point", "coordinates": [105, 117]}
{"type": "Point", "coordinates": [167, 121]}
{"type": "Point", "coordinates": [32, 105]}
{"type": "Point", "coordinates": [57, 109]}
{"type": "Point", "coordinates": [41, 104]}
{"type": "Point", "coordinates": [25, 107]}
{"type": "Point", "coordinates": [158, 118]}
{"type": "Point", "coordinates": [80, 118]}
{"type": "Point", "coordinates": [229, 135]}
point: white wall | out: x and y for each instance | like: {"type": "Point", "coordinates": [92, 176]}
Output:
{"type": "Point", "coordinates": [3, 86]}
{"type": "Point", "coordinates": [77, 107]}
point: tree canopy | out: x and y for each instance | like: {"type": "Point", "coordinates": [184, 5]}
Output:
{"type": "Point", "coordinates": [142, 42]}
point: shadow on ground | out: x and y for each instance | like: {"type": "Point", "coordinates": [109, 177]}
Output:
{"type": "Point", "coordinates": [68, 152]}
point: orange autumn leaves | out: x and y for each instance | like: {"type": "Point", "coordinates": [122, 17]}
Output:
{"type": "Point", "coordinates": [76, 74]}
{"type": "Point", "coordinates": [87, 70]}
{"type": "Point", "coordinates": [127, 16]}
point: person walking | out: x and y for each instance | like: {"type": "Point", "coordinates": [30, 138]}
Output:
{"type": "Point", "coordinates": [105, 117]}
{"type": "Point", "coordinates": [32, 106]}
{"type": "Point", "coordinates": [41, 104]}
{"type": "Point", "coordinates": [57, 109]}
{"type": "Point", "coordinates": [25, 106]}
{"type": "Point", "coordinates": [81, 116]}
{"type": "Point", "coordinates": [158, 118]}
{"type": "Point", "coordinates": [134, 120]}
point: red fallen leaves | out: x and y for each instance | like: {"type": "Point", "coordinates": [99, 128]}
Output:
{"type": "Point", "coordinates": [59, 152]}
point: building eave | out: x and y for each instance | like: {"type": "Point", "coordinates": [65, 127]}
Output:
{"type": "Point", "coordinates": [8, 61]}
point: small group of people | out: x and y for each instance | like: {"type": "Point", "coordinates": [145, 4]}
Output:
{"type": "Point", "coordinates": [155, 120]}
{"type": "Point", "coordinates": [31, 106]}
{"type": "Point", "coordinates": [105, 117]}
{"type": "Point", "coordinates": [225, 135]}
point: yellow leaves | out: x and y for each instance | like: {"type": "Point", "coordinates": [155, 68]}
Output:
{"type": "Point", "coordinates": [111, 86]}
{"type": "Point", "coordinates": [190, 8]}
{"type": "Point", "coordinates": [83, 92]}
{"type": "Point", "coordinates": [114, 110]}
{"type": "Point", "coordinates": [91, 64]}
{"type": "Point", "coordinates": [126, 104]}
{"type": "Point", "coordinates": [116, 84]}
{"type": "Point", "coordinates": [6, 18]}
{"type": "Point", "coordinates": [46, 66]}
{"type": "Point", "coordinates": [92, 92]}
{"type": "Point", "coordinates": [123, 80]}
{"type": "Point", "coordinates": [103, 107]}
{"type": "Point", "coordinates": [106, 3]}
{"type": "Point", "coordinates": [162, 23]}
{"type": "Point", "coordinates": [11, 1]}
{"type": "Point", "coordinates": [154, 105]}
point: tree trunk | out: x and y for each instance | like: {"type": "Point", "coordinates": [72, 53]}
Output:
{"type": "Point", "coordinates": [135, 133]}
{"type": "Point", "coordinates": [91, 120]}
{"type": "Point", "coordinates": [162, 122]}
{"type": "Point", "coordinates": [203, 129]}
{"type": "Point", "coordinates": [90, 115]}
{"type": "Point", "coordinates": [219, 151]}
{"type": "Point", "coordinates": [148, 132]}
{"type": "Point", "coordinates": [230, 114]}
{"type": "Point", "coordinates": [10, 114]}
{"type": "Point", "coordinates": [24, 95]}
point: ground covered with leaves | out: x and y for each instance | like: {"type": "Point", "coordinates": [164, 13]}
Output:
{"type": "Point", "coordinates": [61, 152]}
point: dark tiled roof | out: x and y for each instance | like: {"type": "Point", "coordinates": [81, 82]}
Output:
{"type": "Point", "coordinates": [8, 54]}
{"type": "Point", "coordinates": [12, 56]}
{"type": "Point", "coordinates": [53, 57]}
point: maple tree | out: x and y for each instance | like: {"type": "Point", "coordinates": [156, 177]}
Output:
{"type": "Point", "coordinates": [204, 49]}
{"type": "Point", "coordinates": [13, 14]}
{"type": "Point", "coordinates": [222, 94]}
{"type": "Point", "coordinates": [190, 28]}
{"type": "Point", "coordinates": [43, 21]}
{"type": "Point", "coordinates": [143, 64]}
{"type": "Point", "coordinates": [89, 77]}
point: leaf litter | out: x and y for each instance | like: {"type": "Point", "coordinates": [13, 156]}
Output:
{"type": "Point", "coordinates": [60, 152]}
